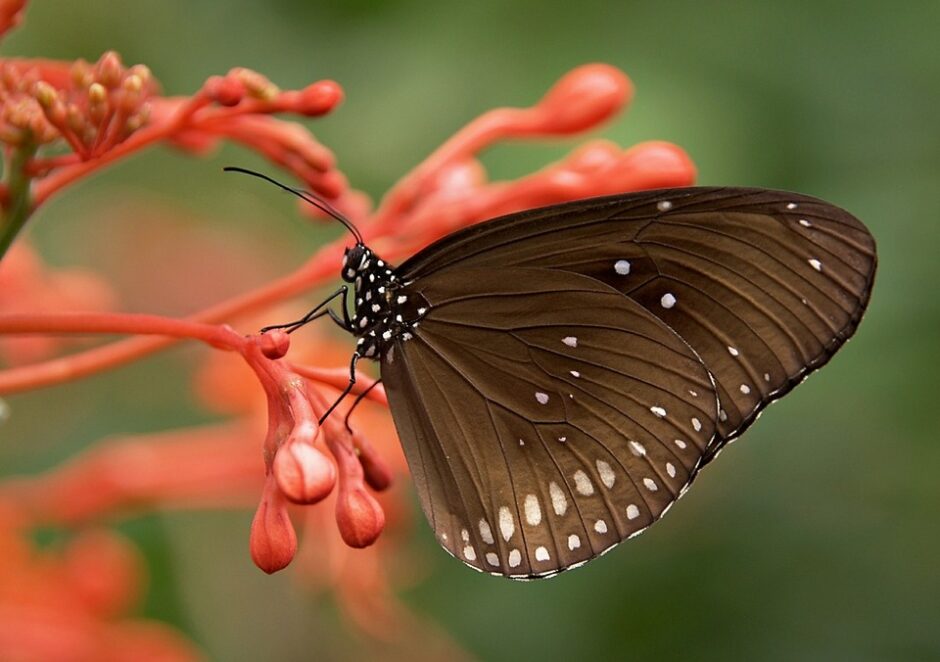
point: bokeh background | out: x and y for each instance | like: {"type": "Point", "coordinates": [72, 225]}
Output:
{"type": "Point", "coordinates": [815, 537]}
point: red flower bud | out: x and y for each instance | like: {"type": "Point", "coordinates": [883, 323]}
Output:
{"type": "Point", "coordinates": [359, 517]}
{"type": "Point", "coordinates": [319, 98]}
{"type": "Point", "coordinates": [376, 472]}
{"type": "Point", "coordinates": [273, 541]}
{"type": "Point", "coordinates": [584, 97]}
{"type": "Point", "coordinates": [274, 344]}
{"type": "Point", "coordinates": [227, 91]}
{"type": "Point", "coordinates": [109, 69]}
{"type": "Point", "coordinates": [304, 474]}
{"type": "Point", "coordinates": [11, 13]}
{"type": "Point", "coordinates": [656, 164]}
{"type": "Point", "coordinates": [105, 571]}
{"type": "Point", "coordinates": [256, 85]}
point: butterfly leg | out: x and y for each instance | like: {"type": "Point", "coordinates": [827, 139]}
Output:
{"type": "Point", "coordinates": [358, 400]}
{"type": "Point", "coordinates": [318, 312]}
{"type": "Point", "coordinates": [352, 382]}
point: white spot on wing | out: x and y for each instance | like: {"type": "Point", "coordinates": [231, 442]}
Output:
{"type": "Point", "coordinates": [745, 389]}
{"type": "Point", "coordinates": [791, 205]}
{"type": "Point", "coordinates": [681, 444]}
{"type": "Point", "coordinates": [637, 448]}
{"type": "Point", "coordinates": [622, 267]}
{"type": "Point", "coordinates": [815, 264]}
{"type": "Point", "coordinates": [582, 483]}
{"type": "Point", "coordinates": [632, 512]}
{"type": "Point", "coordinates": [485, 532]}
{"type": "Point", "coordinates": [541, 554]}
{"type": "Point", "coordinates": [805, 223]}
{"type": "Point", "coordinates": [571, 341]}
{"type": "Point", "coordinates": [668, 300]}
{"type": "Point", "coordinates": [533, 513]}
{"type": "Point", "coordinates": [663, 205]}
{"type": "Point", "coordinates": [606, 473]}
{"type": "Point", "coordinates": [515, 558]}
{"type": "Point", "coordinates": [697, 424]}
{"type": "Point", "coordinates": [600, 526]}
{"type": "Point", "coordinates": [559, 502]}
{"type": "Point", "coordinates": [659, 411]}
{"type": "Point", "coordinates": [492, 559]}
{"type": "Point", "coordinates": [506, 524]}
{"type": "Point", "coordinates": [650, 484]}
{"type": "Point", "coordinates": [573, 542]}
{"type": "Point", "coordinates": [671, 469]}
{"type": "Point", "coordinates": [732, 351]}
{"type": "Point", "coordinates": [575, 373]}
{"type": "Point", "coordinates": [541, 397]}
{"type": "Point", "coordinates": [469, 553]}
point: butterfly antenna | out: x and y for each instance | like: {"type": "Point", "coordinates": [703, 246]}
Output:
{"type": "Point", "coordinates": [306, 196]}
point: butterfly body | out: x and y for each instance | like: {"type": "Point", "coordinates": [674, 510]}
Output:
{"type": "Point", "coordinates": [558, 377]}
{"type": "Point", "coordinates": [381, 315]}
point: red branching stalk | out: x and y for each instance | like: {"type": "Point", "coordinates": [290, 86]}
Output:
{"type": "Point", "coordinates": [61, 122]}
{"type": "Point", "coordinates": [447, 191]}
{"type": "Point", "coordinates": [104, 112]}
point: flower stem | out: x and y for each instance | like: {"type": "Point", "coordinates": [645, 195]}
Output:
{"type": "Point", "coordinates": [20, 203]}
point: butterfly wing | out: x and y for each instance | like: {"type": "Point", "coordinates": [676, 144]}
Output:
{"type": "Point", "coordinates": [764, 286]}
{"type": "Point", "coordinates": [545, 417]}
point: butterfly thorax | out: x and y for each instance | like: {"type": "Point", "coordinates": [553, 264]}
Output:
{"type": "Point", "coordinates": [383, 310]}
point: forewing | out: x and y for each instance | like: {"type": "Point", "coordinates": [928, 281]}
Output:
{"type": "Point", "coordinates": [765, 286]}
{"type": "Point", "coordinates": [545, 417]}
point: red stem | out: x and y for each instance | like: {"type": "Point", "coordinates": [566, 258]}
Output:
{"type": "Point", "coordinates": [89, 362]}
{"type": "Point", "coordinates": [87, 323]}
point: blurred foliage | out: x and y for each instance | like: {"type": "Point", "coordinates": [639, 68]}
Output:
{"type": "Point", "coordinates": [814, 538]}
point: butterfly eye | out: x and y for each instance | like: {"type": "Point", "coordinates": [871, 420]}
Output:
{"type": "Point", "coordinates": [352, 262]}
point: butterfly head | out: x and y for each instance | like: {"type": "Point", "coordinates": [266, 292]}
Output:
{"type": "Point", "coordinates": [355, 261]}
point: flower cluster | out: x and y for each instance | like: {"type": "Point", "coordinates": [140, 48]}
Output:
{"type": "Point", "coordinates": [105, 111]}
{"type": "Point", "coordinates": [61, 121]}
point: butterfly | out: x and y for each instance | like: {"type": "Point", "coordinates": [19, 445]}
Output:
{"type": "Point", "coordinates": [558, 377]}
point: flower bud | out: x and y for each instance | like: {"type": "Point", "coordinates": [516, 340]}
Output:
{"type": "Point", "coordinates": [274, 344]}
{"type": "Point", "coordinates": [359, 517]}
{"type": "Point", "coordinates": [225, 91]}
{"type": "Point", "coordinates": [273, 541]}
{"type": "Point", "coordinates": [97, 94]}
{"type": "Point", "coordinates": [82, 74]}
{"type": "Point", "coordinates": [45, 94]}
{"type": "Point", "coordinates": [255, 84]}
{"type": "Point", "coordinates": [376, 472]}
{"type": "Point", "coordinates": [109, 69]}
{"type": "Point", "coordinates": [655, 164]}
{"type": "Point", "coordinates": [319, 98]}
{"type": "Point", "coordinates": [304, 474]}
{"type": "Point", "coordinates": [583, 98]}
{"type": "Point", "coordinates": [142, 71]}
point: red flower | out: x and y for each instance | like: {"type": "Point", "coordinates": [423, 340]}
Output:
{"type": "Point", "coordinates": [99, 111]}
{"type": "Point", "coordinates": [71, 604]}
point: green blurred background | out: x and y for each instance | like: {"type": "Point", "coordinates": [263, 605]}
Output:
{"type": "Point", "coordinates": [816, 537]}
